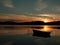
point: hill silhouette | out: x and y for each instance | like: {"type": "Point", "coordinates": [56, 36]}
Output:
{"type": "Point", "coordinates": [53, 23]}
{"type": "Point", "coordinates": [29, 23]}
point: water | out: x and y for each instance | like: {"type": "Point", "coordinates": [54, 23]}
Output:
{"type": "Point", "coordinates": [23, 35]}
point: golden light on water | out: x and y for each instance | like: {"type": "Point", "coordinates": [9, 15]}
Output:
{"type": "Point", "coordinates": [46, 28]}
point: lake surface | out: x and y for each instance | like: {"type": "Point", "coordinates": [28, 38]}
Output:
{"type": "Point", "coordinates": [23, 35]}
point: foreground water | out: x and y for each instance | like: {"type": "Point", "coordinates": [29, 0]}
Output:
{"type": "Point", "coordinates": [23, 35]}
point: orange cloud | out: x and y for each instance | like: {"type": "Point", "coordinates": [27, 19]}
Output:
{"type": "Point", "coordinates": [24, 18]}
{"type": "Point", "coordinates": [18, 18]}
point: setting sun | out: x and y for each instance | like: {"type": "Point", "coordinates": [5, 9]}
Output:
{"type": "Point", "coordinates": [45, 21]}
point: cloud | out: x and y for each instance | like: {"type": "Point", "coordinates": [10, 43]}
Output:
{"type": "Point", "coordinates": [56, 9]}
{"type": "Point", "coordinates": [19, 18]}
{"type": "Point", "coordinates": [8, 3]}
{"type": "Point", "coordinates": [54, 17]}
{"type": "Point", "coordinates": [46, 16]}
{"type": "Point", "coordinates": [29, 18]}
{"type": "Point", "coordinates": [41, 5]}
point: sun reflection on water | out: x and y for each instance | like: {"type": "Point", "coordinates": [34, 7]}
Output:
{"type": "Point", "coordinates": [46, 28]}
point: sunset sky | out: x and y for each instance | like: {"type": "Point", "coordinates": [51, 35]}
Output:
{"type": "Point", "coordinates": [19, 19]}
{"type": "Point", "coordinates": [30, 10]}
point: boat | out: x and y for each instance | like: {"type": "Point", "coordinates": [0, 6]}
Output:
{"type": "Point", "coordinates": [41, 33]}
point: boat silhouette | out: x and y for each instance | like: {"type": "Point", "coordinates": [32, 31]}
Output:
{"type": "Point", "coordinates": [41, 33]}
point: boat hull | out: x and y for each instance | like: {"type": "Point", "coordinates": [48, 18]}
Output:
{"type": "Point", "coordinates": [41, 33]}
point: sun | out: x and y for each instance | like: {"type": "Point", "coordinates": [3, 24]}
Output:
{"type": "Point", "coordinates": [45, 21]}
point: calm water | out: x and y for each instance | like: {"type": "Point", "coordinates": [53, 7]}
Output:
{"type": "Point", "coordinates": [23, 35]}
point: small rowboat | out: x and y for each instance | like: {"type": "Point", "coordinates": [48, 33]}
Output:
{"type": "Point", "coordinates": [41, 33]}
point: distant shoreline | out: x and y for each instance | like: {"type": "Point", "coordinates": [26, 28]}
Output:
{"type": "Point", "coordinates": [29, 23]}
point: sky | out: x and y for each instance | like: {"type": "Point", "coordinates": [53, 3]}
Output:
{"type": "Point", "coordinates": [30, 8]}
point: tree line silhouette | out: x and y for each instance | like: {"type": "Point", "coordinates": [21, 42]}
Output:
{"type": "Point", "coordinates": [29, 23]}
